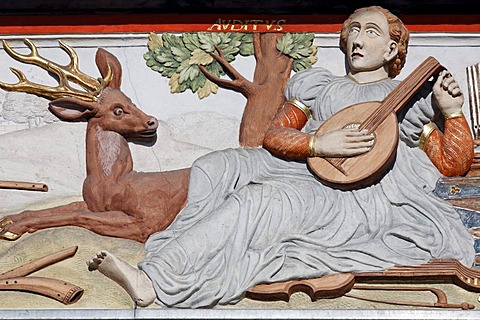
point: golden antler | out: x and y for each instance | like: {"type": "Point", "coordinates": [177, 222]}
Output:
{"type": "Point", "coordinates": [93, 87]}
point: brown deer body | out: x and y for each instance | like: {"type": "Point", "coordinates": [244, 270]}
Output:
{"type": "Point", "coordinates": [118, 201]}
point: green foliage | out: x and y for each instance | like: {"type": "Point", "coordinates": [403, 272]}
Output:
{"type": "Point", "coordinates": [300, 47]}
{"type": "Point", "coordinates": [178, 57]}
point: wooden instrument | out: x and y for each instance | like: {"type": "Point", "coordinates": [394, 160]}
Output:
{"type": "Point", "coordinates": [62, 291]}
{"type": "Point", "coordinates": [378, 118]}
{"type": "Point", "coordinates": [437, 270]}
{"type": "Point", "coordinates": [326, 287]}
{"type": "Point", "coordinates": [59, 290]}
{"type": "Point", "coordinates": [19, 185]}
{"type": "Point", "coordinates": [340, 284]}
{"type": "Point", "coordinates": [39, 264]}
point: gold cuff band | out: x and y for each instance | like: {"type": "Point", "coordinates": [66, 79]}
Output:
{"type": "Point", "coordinates": [453, 115]}
{"type": "Point", "coordinates": [427, 130]}
{"type": "Point", "coordinates": [311, 146]}
{"type": "Point", "coordinates": [300, 106]}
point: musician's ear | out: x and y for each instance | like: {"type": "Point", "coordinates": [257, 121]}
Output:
{"type": "Point", "coordinates": [391, 51]}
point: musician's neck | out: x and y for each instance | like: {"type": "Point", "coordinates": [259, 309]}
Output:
{"type": "Point", "coordinates": [369, 76]}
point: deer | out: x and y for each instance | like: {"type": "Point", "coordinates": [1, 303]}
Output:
{"type": "Point", "coordinates": [117, 201]}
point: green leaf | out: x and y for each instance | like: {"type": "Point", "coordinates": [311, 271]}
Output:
{"type": "Point", "coordinates": [301, 64]}
{"type": "Point", "coordinates": [207, 89]}
{"type": "Point", "coordinates": [300, 47]}
{"type": "Point", "coordinates": [173, 83]}
{"type": "Point", "coordinates": [188, 73]}
{"type": "Point", "coordinates": [191, 41]}
{"type": "Point", "coordinates": [180, 54]}
{"type": "Point", "coordinates": [199, 56]}
{"type": "Point", "coordinates": [300, 52]}
{"type": "Point", "coordinates": [154, 41]}
{"type": "Point", "coordinates": [198, 82]}
{"type": "Point", "coordinates": [170, 41]}
{"type": "Point", "coordinates": [285, 44]}
{"type": "Point", "coordinates": [206, 42]}
{"type": "Point", "coordinates": [215, 68]}
{"type": "Point", "coordinates": [246, 45]}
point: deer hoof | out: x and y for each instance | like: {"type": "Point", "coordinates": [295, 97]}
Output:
{"type": "Point", "coordinates": [7, 235]}
{"type": "Point", "coordinates": [5, 222]}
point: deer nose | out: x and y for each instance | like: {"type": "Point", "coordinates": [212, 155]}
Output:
{"type": "Point", "coordinates": [152, 123]}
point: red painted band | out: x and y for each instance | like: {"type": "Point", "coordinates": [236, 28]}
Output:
{"type": "Point", "coordinates": [218, 23]}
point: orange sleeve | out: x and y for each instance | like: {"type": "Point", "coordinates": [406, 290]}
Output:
{"type": "Point", "coordinates": [451, 152]}
{"type": "Point", "coordinates": [284, 137]}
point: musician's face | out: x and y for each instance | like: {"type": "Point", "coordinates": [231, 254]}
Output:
{"type": "Point", "coordinates": [369, 46]}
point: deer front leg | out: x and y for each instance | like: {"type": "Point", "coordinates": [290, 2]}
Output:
{"type": "Point", "coordinates": [6, 221]}
{"type": "Point", "coordinates": [109, 223]}
{"type": "Point", "coordinates": [71, 207]}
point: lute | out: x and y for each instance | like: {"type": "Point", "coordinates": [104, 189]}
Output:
{"type": "Point", "coordinates": [379, 118]}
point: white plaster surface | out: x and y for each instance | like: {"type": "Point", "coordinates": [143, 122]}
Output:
{"type": "Point", "coordinates": [53, 152]}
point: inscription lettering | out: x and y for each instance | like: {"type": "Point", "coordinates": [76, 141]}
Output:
{"type": "Point", "coordinates": [235, 25]}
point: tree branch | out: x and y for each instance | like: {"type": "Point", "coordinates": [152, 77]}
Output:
{"type": "Point", "coordinates": [289, 67]}
{"type": "Point", "coordinates": [257, 49]}
{"type": "Point", "coordinates": [229, 69]}
{"type": "Point", "coordinates": [228, 84]}
{"type": "Point", "coordinates": [238, 82]}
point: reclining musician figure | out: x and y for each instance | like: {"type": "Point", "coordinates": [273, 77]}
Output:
{"type": "Point", "coordinates": [260, 215]}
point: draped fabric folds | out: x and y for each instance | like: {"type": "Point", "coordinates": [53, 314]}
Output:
{"type": "Point", "coordinates": [254, 218]}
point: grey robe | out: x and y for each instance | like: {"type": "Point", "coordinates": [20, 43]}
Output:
{"type": "Point", "coordinates": [254, 218]}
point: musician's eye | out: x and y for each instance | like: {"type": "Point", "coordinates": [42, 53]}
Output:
{"type": "Point", "coordinates": [372, 32]}
{"type": "Point", "coordinates": [354, 30]}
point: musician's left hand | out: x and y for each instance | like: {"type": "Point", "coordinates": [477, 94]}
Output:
{"type": "Point", "coordinates": [447, 93]}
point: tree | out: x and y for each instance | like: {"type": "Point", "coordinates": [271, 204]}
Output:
{"type": "Point", "coordinates": [197, 61]}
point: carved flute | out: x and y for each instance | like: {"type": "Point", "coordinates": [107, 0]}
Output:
{"type": "Point", "coordinates": [40, 263]}
{"type": "Point", "coordinates": [59, 290]}
{"type": "Point", "coordinates": [65, 292]}
{"type": "Point", "coordinates": [19, 185]}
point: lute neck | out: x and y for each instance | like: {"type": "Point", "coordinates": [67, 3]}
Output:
{"type": "Point", "coordinates": [400, 96]}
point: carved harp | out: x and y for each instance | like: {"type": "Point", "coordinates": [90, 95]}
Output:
{"type": "Point", "coordinates": [378, 118]}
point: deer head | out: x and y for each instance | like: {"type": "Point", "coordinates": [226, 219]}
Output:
{"type": "Point", "coordinates": [99, 100]}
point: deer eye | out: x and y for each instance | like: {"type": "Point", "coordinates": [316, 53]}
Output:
{"type": "Point", "coordinates": [118, 111]}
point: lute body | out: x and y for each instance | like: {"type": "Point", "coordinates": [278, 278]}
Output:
{"type": "Point", "coordinates": [379, 118]}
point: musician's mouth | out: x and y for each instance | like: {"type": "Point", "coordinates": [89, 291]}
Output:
{"type": "Point", "coordinates": [357, 55]}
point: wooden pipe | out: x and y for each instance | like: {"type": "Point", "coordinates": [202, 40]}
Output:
{"type": "Point", "coordinates": [38, 264]}
{"type": "Point", "coordinates": [18, 185]}
{"type": "Point", "coordinates": [59, 290]}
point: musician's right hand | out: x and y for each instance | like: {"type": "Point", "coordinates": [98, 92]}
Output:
{"type": "Point", "coordinates": [343, 143]}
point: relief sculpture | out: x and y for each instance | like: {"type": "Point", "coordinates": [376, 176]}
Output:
{"type": "Point", "coordinates": [118, 202]}
{"type": "Point", "coordinates": [279, 223]}
{"type": "Point", "coordinates": [335, 183]}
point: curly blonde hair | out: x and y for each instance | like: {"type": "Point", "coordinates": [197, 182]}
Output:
{"type": "Point", "coordinates": [398, 33]}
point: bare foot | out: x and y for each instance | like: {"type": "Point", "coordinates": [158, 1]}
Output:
{"type": "Point", "coordinates": [134, 281]}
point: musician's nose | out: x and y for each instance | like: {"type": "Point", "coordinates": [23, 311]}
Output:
{"type": "Point", "coordinates": [358, 41]}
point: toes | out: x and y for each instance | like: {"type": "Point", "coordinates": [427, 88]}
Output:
{"type": "Point", "coordinates": [102, 254]}
{"type": "Point", "coordinates": [94, 262]}
{"type": "Point", "coordinates": [91, 265]}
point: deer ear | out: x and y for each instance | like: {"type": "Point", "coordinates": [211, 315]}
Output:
{"type": "Point", "coordinates": [104, 60]}
{"type": "Point", "coordinates": [71, 109]}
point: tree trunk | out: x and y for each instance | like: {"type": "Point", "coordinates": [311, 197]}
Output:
{"type": "Point", "coordinates": [266, 95]}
